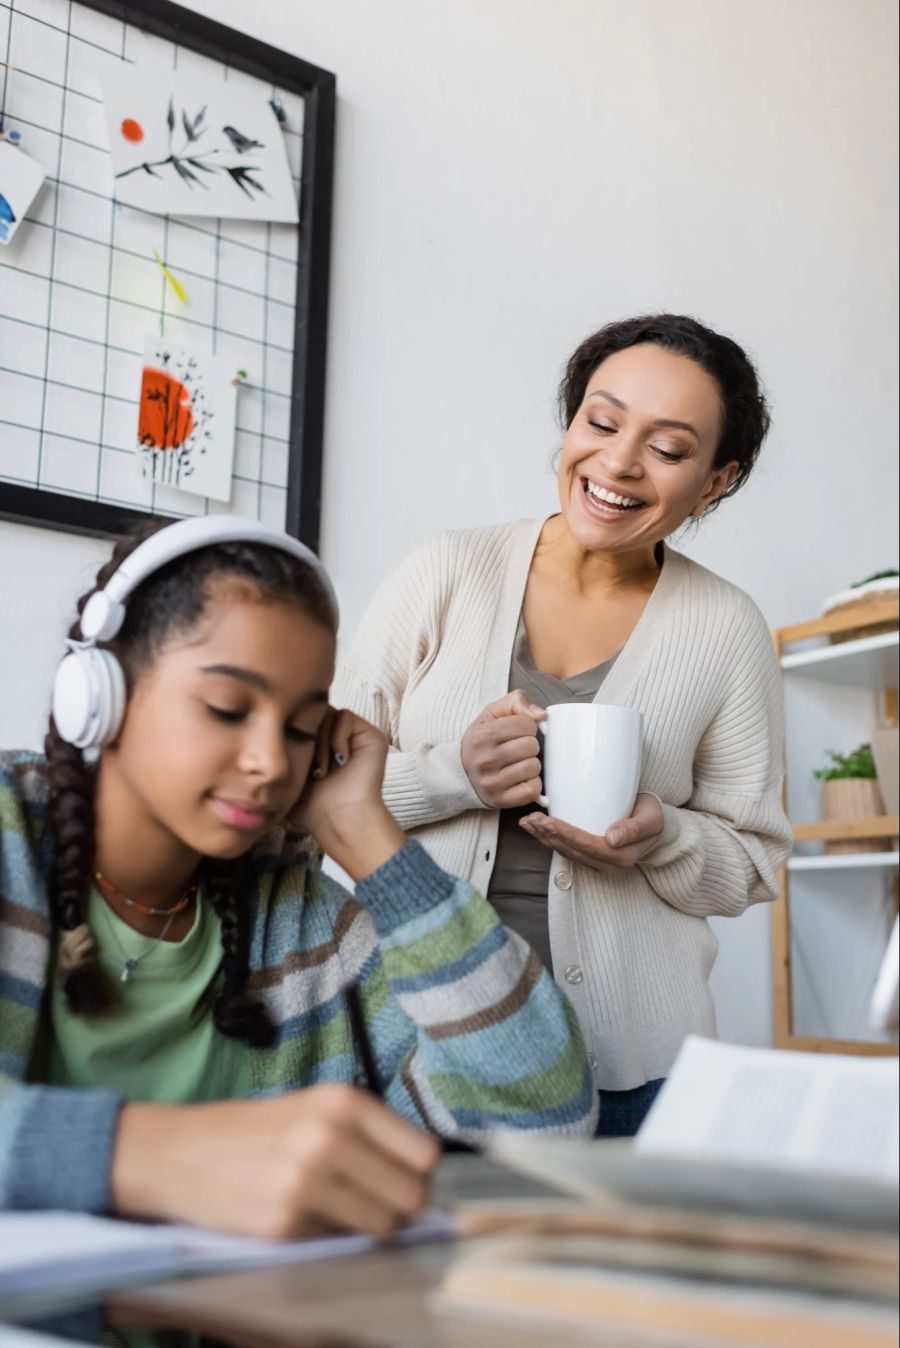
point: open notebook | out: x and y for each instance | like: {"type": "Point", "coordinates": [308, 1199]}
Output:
{"type": "Point", "coordinates": [40, 1251]}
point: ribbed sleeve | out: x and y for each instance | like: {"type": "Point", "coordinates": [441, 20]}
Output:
{"type": "Point", "coordinates": [56, 1147]}
{"type": "Point", "coordinates": [721, 852]}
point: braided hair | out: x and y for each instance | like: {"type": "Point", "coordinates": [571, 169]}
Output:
{"type": "Point", "coordinates": [168, 602]}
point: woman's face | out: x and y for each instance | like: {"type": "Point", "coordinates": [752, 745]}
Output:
{"type": "Point", "coordinates": [637, 459]}
{"type": "Point", "coordinates": [219, 733]}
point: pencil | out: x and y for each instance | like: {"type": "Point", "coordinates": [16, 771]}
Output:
{"type": "Point", "coordinates": [362, 1043]}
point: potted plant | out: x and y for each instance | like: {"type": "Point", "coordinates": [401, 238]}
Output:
{"type": "Point", "coordinates": [850, 791]}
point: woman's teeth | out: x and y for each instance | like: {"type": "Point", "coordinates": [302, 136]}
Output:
{"type": "Point", "coordinates": [610, 498]}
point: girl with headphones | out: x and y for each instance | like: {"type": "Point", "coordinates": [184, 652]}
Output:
{"type": "Point", "coordinates": [174, 963]}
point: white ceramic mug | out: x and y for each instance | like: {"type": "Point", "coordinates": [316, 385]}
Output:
{"type": "Point", "coordinates": [592, 763]}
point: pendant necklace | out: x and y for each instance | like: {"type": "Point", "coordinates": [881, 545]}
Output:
{"type": "Point", "coordinates": [108, 889]}
{"type": "Point", "coordinates": [132, 962]}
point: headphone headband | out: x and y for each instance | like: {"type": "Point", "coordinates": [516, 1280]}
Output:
{"type": "Point", "coordinates": [104, 612]}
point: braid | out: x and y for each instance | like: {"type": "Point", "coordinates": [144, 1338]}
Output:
{"type": "Point", "coordinates": [236, 1013]}
{"type": "Point", "coordinates": [70, 808]}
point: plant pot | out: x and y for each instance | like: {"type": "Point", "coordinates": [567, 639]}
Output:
{"type": "Point", "coordinates": [853, 798]}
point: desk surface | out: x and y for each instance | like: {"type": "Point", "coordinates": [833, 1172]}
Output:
{"type": "Point", "coordinates": [369, 1300]}
{"type": "Point", "coordinates": [379, 1298]}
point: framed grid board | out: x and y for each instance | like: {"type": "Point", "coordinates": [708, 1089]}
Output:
{"type": "Point", "coordinates": [80, 289]}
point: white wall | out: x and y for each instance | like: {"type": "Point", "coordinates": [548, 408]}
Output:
{"type": "Point", "coordinates": [511, 174]}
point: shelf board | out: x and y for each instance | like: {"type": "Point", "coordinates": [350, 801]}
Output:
{"type": "Point", "coordinates": [839, 830]}
{"type": "Point", "coordinates": [877, 612]}
{"type": "Point", "coordinates": [869, 662]}
{"type": "Point", "coordinates": [867, 1048]}
{"type": "Point", "coordinates": [847, 861]}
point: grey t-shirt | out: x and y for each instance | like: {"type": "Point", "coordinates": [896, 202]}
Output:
{"type": "Point", "coordinates": [520, 878]}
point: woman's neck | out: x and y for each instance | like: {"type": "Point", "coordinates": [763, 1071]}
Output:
{"type": "Point", "coordinates": [592, 573]}
{"type": "Point", "coordinates": [136, 852]}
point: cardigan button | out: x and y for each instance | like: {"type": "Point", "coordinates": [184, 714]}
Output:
{"type": "Point", "coordinates": [574, 974]}
{"type": "Point", "coordinates": [562, 880]}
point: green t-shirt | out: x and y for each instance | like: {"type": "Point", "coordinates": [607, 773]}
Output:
{"type": "Point", "coordinates": [159, 1042]}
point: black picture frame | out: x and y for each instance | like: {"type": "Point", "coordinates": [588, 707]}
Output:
{"type": "Point", "coordinates": [317, 87]}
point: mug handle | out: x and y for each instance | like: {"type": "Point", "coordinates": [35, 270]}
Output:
{"type": "Point", "coordinates": [542, 800]}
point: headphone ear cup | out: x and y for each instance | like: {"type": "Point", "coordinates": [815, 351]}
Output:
{"type": "Point", "coordinates": [111, 703]}
{"type": "Point", "coordinates": [89, 698]}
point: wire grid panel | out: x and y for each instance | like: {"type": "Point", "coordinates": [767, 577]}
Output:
{"type": "Point", "coordinates": [80, 289]}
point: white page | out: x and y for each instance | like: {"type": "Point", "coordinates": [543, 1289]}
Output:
{"type": "Point", "coordinates": [40, 1250]}
{"type": "Point", "coordinates": [798, 1111]}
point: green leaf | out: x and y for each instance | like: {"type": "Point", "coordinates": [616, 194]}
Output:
{"type": "Point", "coordinates": [843, 767]}
{"type": "Point", "coordinates": [876, 575]}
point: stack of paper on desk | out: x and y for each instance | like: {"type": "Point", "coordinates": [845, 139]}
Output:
{"type": "Point", "coordinates": [758, 1205]}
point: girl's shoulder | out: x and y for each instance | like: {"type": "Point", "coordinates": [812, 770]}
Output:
{"type": "Point", "coordinates": [24, 839]}
{"type": "Point", "coordinates": [23, 784]}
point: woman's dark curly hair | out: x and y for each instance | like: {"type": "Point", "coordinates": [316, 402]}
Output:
{"type": "Point", "coordinates": [168, 602]}
{"type": "Point", "coordinates": [745, 412]}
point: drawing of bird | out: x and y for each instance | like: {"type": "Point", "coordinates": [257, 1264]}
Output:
{"type": "Point", "coordinates": [242, 143]}
{"type": "Point", "coordinates": [7, 217]}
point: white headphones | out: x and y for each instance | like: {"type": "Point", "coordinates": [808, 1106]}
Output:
{"type": "Point", "coordinates": [89, 688]}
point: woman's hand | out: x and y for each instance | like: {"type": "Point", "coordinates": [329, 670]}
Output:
{"type": "Point", "coordinates": [499, 752]}
{"type": "Point", "coordinates": [623, 845]}
{"type": "Point", "coordinates": [322, 1159]}
{"type": "Point", "coordinates": [342, 806]}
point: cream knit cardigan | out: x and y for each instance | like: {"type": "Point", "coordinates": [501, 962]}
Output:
{"type": "Point", "coordinates": [632, 950]}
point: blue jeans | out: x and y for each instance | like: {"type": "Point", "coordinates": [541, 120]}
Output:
{"type": "Point", "coordinates": [623, 1112]}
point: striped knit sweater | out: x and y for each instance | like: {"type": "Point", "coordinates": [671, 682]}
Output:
{"type": "Point", "coordinates": [469, 1033]}
{"type": "Point", "coordinates": [633, 950]}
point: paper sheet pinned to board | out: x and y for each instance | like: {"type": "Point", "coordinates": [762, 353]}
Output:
{"type": "Point", "coordinates": [196, 147]}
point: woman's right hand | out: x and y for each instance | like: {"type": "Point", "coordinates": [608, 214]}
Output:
{"type": "Point", "coordinates": [499, 752]}
{"type": "Point", "coordinates": [321, 1159]}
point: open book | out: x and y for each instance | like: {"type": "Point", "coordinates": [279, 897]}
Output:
{"type": "Point", "coordinates": [757, 1205]}
{"type": "Point", "coordinates": [804, 1136]}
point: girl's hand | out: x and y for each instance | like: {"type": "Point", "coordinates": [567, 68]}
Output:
{"type": "Point", "coordinates": [623, 845]}
{"type": "Point", "coordinates": [499, 752]}
{"type": "Point", "coordinates": [322, 1159]}
{"type": "Point", "coordinates": [342, 806]}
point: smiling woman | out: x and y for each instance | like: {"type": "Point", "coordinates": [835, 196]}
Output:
{"type": "Point", "coordinates": [480, 630]}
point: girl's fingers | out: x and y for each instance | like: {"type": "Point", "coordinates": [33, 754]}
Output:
{"type": "Point", "coordinates": [386, 1181]}
{"type": "Point", "coordinates": [340, 1203]}
{"type": "Point", "coordinates": [322, 756]}
{"type": "Point", "coordinates": [394, 1136]}
{"type": "Point", "coordinates": [341, 736]}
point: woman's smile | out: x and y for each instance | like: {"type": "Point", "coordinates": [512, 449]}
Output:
{"type": "Point", "coordinates": [602, 501]}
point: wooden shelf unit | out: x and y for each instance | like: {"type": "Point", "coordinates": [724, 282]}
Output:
{"type": "Point", "coordinates": [880, 827]}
